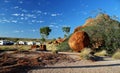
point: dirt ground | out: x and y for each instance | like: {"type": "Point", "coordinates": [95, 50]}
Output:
{"type": "Point", "coordinates": [22, 62]}
{"type": "Point", "coordinates": [81, 67]}
{"type": "Point", "coordinates": [47, 62]}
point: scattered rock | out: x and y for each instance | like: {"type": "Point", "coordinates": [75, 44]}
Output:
{"type": "Point", "coordinates": [42, 48]}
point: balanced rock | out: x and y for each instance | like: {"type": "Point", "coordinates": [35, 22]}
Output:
{"type": "Point", "coordinates": [79, 40]}
{"type": "Point", "coordinates": [78, 28]}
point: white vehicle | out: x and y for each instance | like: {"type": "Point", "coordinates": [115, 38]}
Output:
{"type": "Point", "coordinates": [30, 43]}
{"type": "Point", "coordinates": [21, 43]}
{"type": "Point", "coordinates": [3, 42]}
{"type": "Point", "coordinates": [37, 43]}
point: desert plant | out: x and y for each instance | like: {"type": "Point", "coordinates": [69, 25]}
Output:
{"type": "Point", "coordinates": [63, 46]}
{"type": "Point", "coordinates": [84, 54]}
{"type": "Point", "coordinates": [51, 46]}
{"type": "Point", "coordinates": [101, 53]}
{"type": "Point", "coordinates": [54, 51]}
{"type": "Point", "coordinates": [116, 55]}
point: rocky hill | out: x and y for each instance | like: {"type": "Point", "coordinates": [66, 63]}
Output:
{"type": "Point", "coordinates": [103, 32]}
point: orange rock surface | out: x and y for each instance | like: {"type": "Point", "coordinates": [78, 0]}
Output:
{"type": "Point", "coordinates": [79, 40]}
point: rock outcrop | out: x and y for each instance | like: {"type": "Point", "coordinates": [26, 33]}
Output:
{"type": "Point", "coordinates": [79, 40]}
{"type": "Point", "coordinates": [78, 28]}
{"type": "Point", "coordinates": [93, 21]}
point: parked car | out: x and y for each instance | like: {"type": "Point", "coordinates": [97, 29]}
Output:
{"type": "Point", "coordinates": [3, 42]}
{"type": "Point", "coordinates": [30, 43]}
{"type": "Point", "coordinates": [21, 43]}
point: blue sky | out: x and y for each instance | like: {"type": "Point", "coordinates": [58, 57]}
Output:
{"type": "Point", "coordinates": [23, 18]}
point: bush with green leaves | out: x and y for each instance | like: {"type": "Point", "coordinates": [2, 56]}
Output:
{"type": "Point", "coordinates": [105, 29]}
{"type": "Point", "coordinates": [63, 46]}
{"type": "Point", "coordinates": [116, 55]}
{"type": "Point", "coordinates": [85, 53]}
{"type": "Point", "coordinates": [101, 53]}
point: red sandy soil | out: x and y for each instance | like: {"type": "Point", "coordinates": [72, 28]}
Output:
{"type": "Point", "coordinates": [22, 62]}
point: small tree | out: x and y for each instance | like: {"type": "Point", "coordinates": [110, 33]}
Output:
{"type": "Point", "coordinates": [44, 32]}
{"type": "Point", "coordinates": [66, 30]}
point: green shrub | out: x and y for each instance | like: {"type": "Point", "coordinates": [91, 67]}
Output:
{"type": "Point", "coordinates": [101, 53]}
{"type": "Point", "coordinates": [63, 46]}
{"type": "Point", "coordinates": [116, 55]}
{"type": "Point", "coordinates": [84, 54]}
{"type": "Point", "coordinates": [105, 29]}
{"type": "Point", "coordinates": [51, 46]}
{"type": "Point", "coordinates": [54, 51]}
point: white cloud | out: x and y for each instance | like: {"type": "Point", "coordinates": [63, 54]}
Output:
{"type": "Point", "coordinates": [6, 1]}
{"type": "Point", "coordinates": [24, 10]}
{"type": "Point", "coordinates": [38, 11]}
{"type": "Point", "coordinates": [22, 31]}
{"type": "Point", "coordinates": [33, 21]}
{"type": "Point", "coordinates": [25, 18]}
{"type": "Point", "coordinates": [21, 2]}
{"type": "Point", "coordinates": [4, 20]}
{"type": "Point", "coordinates": [14, 21]}
{"type": "Point", "coordinates": [22, 14]}
{"type": "Point", "coordinates": [40, 21]}
{"type": "Point", "coordinates": [22, 18]}
{"type": "Point", "coordinates": [55, 14]}
{"type": "Point", "coordinates": [18, 31]}
{"type": "Point", "coordinates": [16, 14]}
{"type": "Point", "coordinates": [34, 30]}
{"type": "Point", "coordinates": [45, 13]}
{"type": "Point", "coordinates": [16, 7]}
{"type": "Point", "coordinates": [53, 23]}
{"type": "Point", "coordinates": [65, 25]}
{"type": "Point", "coordinates": [34, 17]}
{"type": "Point", "coordinates": [53, 26]}
{"type": "Point", "coordinates": [30, 15]}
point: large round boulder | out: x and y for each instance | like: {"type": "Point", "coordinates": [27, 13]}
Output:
{"type": "Point", "coordinates": [79, 40]}
{"type": "Point", "coordinates": [78, 28]}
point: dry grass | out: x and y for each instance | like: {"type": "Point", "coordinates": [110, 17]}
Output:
{"type": "Point", "coordinates": [116, 55]}
{"type": "Point", "coordinates": [85, 53]}
{"type": "Point", "coordinates": [101, 53]}
{"type": "Point", "coordinates": [51, 47]}
{"type": "Point", "coordinates": [15, 47]}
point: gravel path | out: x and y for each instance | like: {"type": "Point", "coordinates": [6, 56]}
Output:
{"type": "Point", "coordinates": [83, 66]}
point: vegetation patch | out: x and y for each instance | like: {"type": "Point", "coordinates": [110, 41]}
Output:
{"type": "Point", "coordinates": [116, 55]}
{"type": "Point", "coordinates": [104, 33]}
{"type": "Point", "coordinates": [63, 47]}
{"type": "Point", "coordinates": [84, 54]}
{"type": "Point", "coordinates": [101, 53]}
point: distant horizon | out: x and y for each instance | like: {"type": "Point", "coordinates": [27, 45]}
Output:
{"type": "Point", "coordinates": [23, 18]}
{"type": "Point", "coordinates": [19, 37]}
